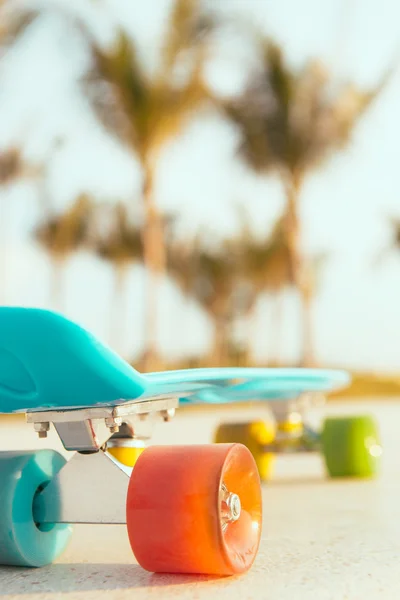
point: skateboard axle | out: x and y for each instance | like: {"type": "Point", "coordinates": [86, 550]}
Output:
{"type": "Point", "coordinates": [102, 483]}
{"type": "Point", "coordinates": [231, 507]}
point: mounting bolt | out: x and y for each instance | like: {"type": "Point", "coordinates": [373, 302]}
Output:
{"type": "Point", "coordinates": [42, 429]}
{"type": "Point", "coordinates": [113, 424]}
{"type": "Point", "coordinates": [168, 414]}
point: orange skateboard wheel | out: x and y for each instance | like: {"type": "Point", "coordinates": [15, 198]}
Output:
{"type": "Point", "coordinates": [195, 509]}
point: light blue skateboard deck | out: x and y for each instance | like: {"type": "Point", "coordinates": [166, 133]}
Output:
{"type": "Point", "coordinates": [48, 362]}
{"type": "Point", "coordinates": [276, 385]}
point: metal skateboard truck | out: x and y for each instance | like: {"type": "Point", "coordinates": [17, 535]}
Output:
{"type": "Point", "coordinates": [350, 445]}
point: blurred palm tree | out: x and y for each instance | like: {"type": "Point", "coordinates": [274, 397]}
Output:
{"type": "Point", "coordinates": [207, 275]}
{"type": "Point", "coordinates": [264, 268]}
{"type": "Point", "coordinates": [394, 242]}
{"type": "Point", "coordinates": [147, 111]}
{"type": "Point", "coordinates": [14, 19]}
{"type": "Point", "coordinates": [61, 236]}
{"type": "Point", "coordinates": [290, 123]}
{"type": "Point", "coordinates": [228, 278]}
{"type": "Point", "coordinates": [395, 227]}
{"type": "Point", "coordinates": [117, 238]}
{"type": "Point", "coordinates": [13, 167]}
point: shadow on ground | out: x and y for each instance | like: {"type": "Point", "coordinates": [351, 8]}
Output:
{"type": "Point", "coordinates": [67, 578]}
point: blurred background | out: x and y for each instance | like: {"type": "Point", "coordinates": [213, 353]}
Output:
{"type": "Point", "coordinates": [205, 183]}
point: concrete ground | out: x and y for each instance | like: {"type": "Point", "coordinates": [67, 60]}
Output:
{"type": "Point", "coordinates": [321, 539]}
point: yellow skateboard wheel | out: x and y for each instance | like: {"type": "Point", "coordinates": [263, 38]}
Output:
{"type": "Point", "coordinates": [255, 435]}
{"type": "Point", "coordinates": [126, 451]}
{"type": "Point", "coordinates": [293, 425]}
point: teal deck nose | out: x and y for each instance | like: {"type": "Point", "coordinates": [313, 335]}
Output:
{"type": "Point", "coordinates": [47, 361]}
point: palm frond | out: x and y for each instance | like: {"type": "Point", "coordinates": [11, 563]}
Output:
{"type": "Point", "coordinates": [11, 165]}
{"type": "Point", "coordinates": [145, 112]}
{"type": "Point", "coordinates": [205, 274]}
{"type": "Point", "coordinates": [13, 23]}
{"type": "Point", "coordinates": [187, 29]}
{"type": "Point", "coordinates": [263, 261]}
{"type": "Point", "coordinates": [393, 244]}
{"type": "Point", "coordinates": [180, 30]}
{"type": "Point", "coordinates": [66, 233]}
{"type": "Point", "coordinates": [172, 107]}
{"type": "Point", "coordinates": [292, 120]}
{"type": "Point", "coordinates": [395, 227]}
{"type": "Point", "coordinates": [14, 167]}
{"type": "Point", "coordinates": [118, 89]}
{"type": "Point", "coordinates": [116, 236]}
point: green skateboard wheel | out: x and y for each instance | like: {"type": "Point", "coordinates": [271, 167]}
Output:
{"type": "Point", "coordinates": [23, 541]}
{"type": "Point", "coordinates": [351, 446]}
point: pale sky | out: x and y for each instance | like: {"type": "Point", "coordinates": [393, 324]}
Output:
{"type": "Point", "coordinates": [344, 205]}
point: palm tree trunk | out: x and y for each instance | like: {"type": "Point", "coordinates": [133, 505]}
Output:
{"type": "Point", "coordinates": [57, 275]}
{"type": "Point", "coordinates": [299, 266]}
{"type": "Point", "coordinates": [222, 318]}
{"type": "Point", "coordinates": [118, 308]}
{"type": "Point", "coordinates": [218, 354]}
{"type": "Point", "coordinates": [276, 327]}
{"type": "Point", "coordinates": [154, 262]}
{"type": "Point", "coordinates": [251, 323]}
